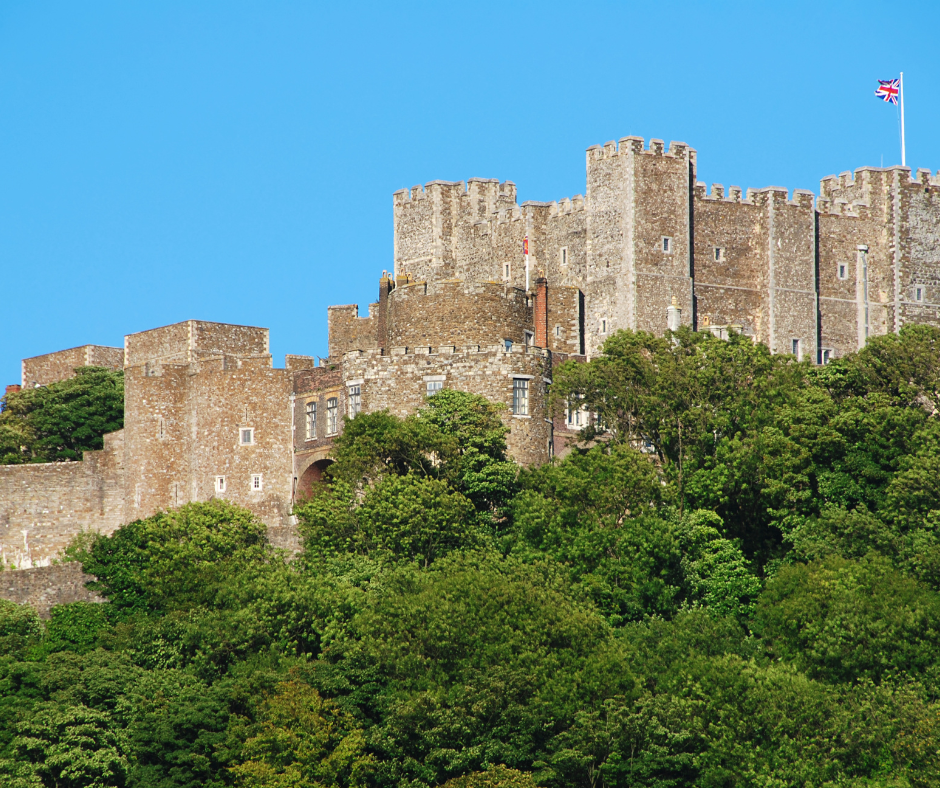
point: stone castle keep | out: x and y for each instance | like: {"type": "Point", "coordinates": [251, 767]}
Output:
{"type": "Point", "coordinates": [646, 248]}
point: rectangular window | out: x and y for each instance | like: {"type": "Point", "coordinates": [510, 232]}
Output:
{"type": "Point", "coordinates": [331, 408]}
{"type": "Point", "coordinates": [311, 420]}
{"type": "Point", "coordinates": [827, 356]}
{"type": "Point", "coordinates": [719, 254]}
{"type": "Point", "coordinates": [434, 386]}
{"type": "Point", "coordinates": [355, 401]}
{"type": "Point", "coordinates": [256, 482]}
{"type": "Point", "coordinates": [557, 331]}
{"type": "Point", "coordinates": [577, 416]}
{"type": "Point", "coordinates": [220, 484]}
{"type": "Point", "coordinates": [796, 348]}
{"type": "Point", "coordinates": [520, 397]}
{"type": "Point", "coordinates": [506, 271]}
{"type": "Point", "coordinates": [843, 271]}
{"type": "Point", "coordinates": [919, 294]}
{"type": "Point", "coordinates": [604, 326]}
{"type": "Point", "coordinates": [529, 339]}
{"type": "Point", "coordinates": [564, 256]}
{"type": "Point", "coordinates": [508, 344]}
{"type": "Point", "coordinates": [667, 244]}
{"type": "Point", "coordinates": [246, 436]}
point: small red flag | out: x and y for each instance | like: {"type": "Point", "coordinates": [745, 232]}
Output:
{"type": "Point", "coordinates": [525, 245]}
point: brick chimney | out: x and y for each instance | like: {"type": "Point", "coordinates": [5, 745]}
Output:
{"type": "Point", "coordinates": [540, 312]}
{"type": "Point", "coordinates": [13, 388]}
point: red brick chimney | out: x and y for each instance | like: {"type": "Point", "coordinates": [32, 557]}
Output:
{"type": "Point", "coordinates": [540, 312]}
{"type": "Point", "coordinates": [12, 389]}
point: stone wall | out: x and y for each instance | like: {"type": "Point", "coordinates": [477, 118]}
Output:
{"type": "Point", "coordinates": [191, 340]}
{"type": "Point", "coordinates": [454, 312]}
{"type": "Point", "coordinates": [45, 587]}
{"type": "Point", "coordinates": [43, 506]}
{"type": "Point", "coordinates": [61, 365]}
{"type": "Point", "coordinates": [398, 383]}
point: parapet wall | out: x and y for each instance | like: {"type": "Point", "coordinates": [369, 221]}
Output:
{"type": "Point", "coordinates": [61, 365]}
{"type": "Point", "coordinates": [182, 343]}
{"type": "Point", "coordinates": [43, 506]}
{"type": "Point", "coordinates": [456, 312]}
{"type": "Point", "coordinates": [45, 587]}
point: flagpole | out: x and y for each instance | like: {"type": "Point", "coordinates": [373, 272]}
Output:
{"type": "Point", "coordinates": [901, 91]}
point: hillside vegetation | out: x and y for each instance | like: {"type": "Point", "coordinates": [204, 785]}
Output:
{"type": "Point", "coordinates": [734, 582]}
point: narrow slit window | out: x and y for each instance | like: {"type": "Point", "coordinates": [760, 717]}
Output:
{"type": "Point", "coordinates": [603, 325]}
{"type": "Point", "coordinates": [220, 484]}
{"type": "Point", "coordinates": [796, 348]}
{"type": "Point", "coordinates": [719, 254]}
{"type": "Point", "coordinates": [520, 397]}
{"type": "Point", "coordinates": [667, 244]}
{"type": "Point", "coordinates": [557, 331]}
{"type": "Point", "coordinates": [311, 420]}
{"type": "Point", "coordinates": [564, 256]}
{"type": "Point", "coordinates": [919, 294]}
{"type": "Point", "coordinates": [506, 271]}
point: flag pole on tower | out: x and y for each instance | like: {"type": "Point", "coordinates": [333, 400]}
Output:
{"type": "Point", "coordinates": [901, 86]}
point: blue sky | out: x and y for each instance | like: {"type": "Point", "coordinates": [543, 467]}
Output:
{"type": "Point", "coordinates": [236, 161]}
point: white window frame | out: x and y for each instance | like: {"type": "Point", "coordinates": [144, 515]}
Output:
{"type": "Point", "coordinates": [219, 484]}
{"type": "Point", "coordinates": [795, 347]}
{"type": "Point", "coordinates": [520, 396]}
{"type": "Point", "coordinates": [310, 416]}
{"type": "Point", "coordinates": [919, 294]}
{"type": "Point", "coordinates": [250, 432]}
{"type": "Point", "coordinates": [603, 325]}
{"type": "Point", "coordinates": [530, 339]}
{"type": "Point", "coordinates": [256, 483]}
{"type": "Point", "coordinates": [667, 245]}
{"type": "Point", "coordinates": [507, 271]}
{"type": "Point", "coordinates": [719, 254]}
{"type": "Point", "coordinates": [431, 387]}
{"type": "Point", "coordinates": [332, 415]}
{"type": "Point", "coordinates": [826, 355]}
{"type": "Point", "coordinates": [354, 400]}
{"type": "Point", "coordinates": [563, 255]}
{"type": "Point", "coordinates": [842, 271]}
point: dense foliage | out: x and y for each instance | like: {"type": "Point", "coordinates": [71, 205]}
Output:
{"type": "Point", "coordinates": [734, 581]}
{"type": "Point", "coordinates": [58, 422]}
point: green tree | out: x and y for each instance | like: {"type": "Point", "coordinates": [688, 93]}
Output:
{"type": "Point", "coordinates": [60, 421]}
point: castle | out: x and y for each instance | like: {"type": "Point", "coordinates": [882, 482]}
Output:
{"type": "Point", "coordinates": [488, 296]}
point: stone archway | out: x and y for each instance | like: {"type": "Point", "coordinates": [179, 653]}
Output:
{"type": "Point", "coordinates": [310, 477]}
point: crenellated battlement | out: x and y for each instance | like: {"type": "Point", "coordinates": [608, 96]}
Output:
{"type": "Point", "coordinates": [636, 146]}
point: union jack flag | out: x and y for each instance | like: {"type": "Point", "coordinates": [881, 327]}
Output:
{"type": "Point", "coordinates": [888, 90]}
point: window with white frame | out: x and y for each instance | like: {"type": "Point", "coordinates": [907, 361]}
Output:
{"type": "Point", "coordinates": [529, 339]}
{"type": "Point", "coordinates": [667, 244]}
{"type": "Point", "coordinates": [577, 415]}
{"type": "Point", "coordinates": [246, 436]}
{"type": "Point", "coordinates": [332, 405]}
{"type": "Point", "coordinates": [220, 484]}
{"type": "Point", "coordinates": [520, 396]}
{"type": "Point", "coordinates": [564, 255]}
{"type": "Point", "coordinates": [919, 294]}
{"type": "Point", "coordinates": [826, 356]}
{"type": "Point", "coordinates": [796, 348]}
{"type": "Point", "coordinates": [355, 401]}
{"type": "Point", "coordinates": [719, 254]}
{"type": "Point", "coordinates": [843, 271]}
{"type": "Point", "coordinates": [433, 386]}
{"type": "Point", "coordinates": [506, 271]}
{"type": "Point", "coordinates": [557, 331]}
{"type": "Point", "coordinates": [311, 413]}
{"type": "Point", "coordinates": [603, 325]}
{"type": "Point", "coordinates": [256, 482]}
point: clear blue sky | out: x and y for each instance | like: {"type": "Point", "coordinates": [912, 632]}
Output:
{"type": "Point", "coordinates": [236, 161]}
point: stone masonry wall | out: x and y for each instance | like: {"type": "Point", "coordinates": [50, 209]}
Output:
{"type": "Point", "coordinates": [185, 342]}
{"type": "Point", "coordinates": [44, 587]}
{"type": "Point", "coordinates": [347, 331]}
{"type": "Point", "coordinates": [43, 506]}
{"type": "Point", "coordinates": [61, 365]}
{"type": "Point", "coordinates": [456, 313]}
{"type": "Point", "coordinates": [398, 383]}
